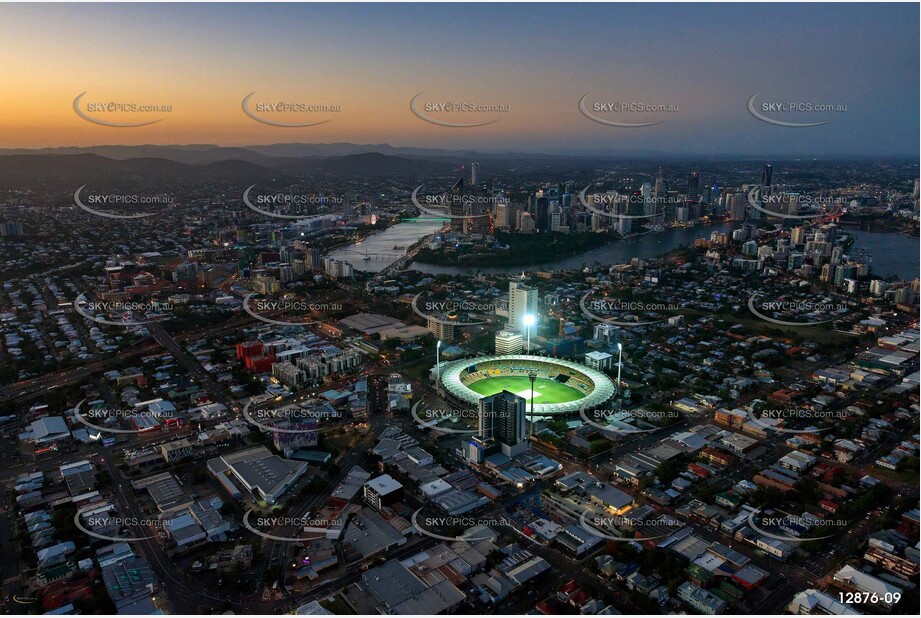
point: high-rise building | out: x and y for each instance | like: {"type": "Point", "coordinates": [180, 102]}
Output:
{"type": "Point", "coordinates": [539, 207]}
{"type": "Point", "coordinates": [661, 186]}
{"type": "Point", "coordinates": [843, 272]}
{"type": "Point", "coordinates": [522, 300]}
{"type": "Point", "coordinates": [502, 215]}
{"type": "Point", "coordinates": [526, 223]}
{"type": "Point", "coordinates": [441, 328]}
{"type": "Point", "coordinates": [737, 206]}
{"type": "Point", "coordinates": [766, 175]}
{"type": "Point", "coordinates": [474, 174]}
{"type": "Point", "coordinates": [502, 418]}
{"type": "Point", "coordinates": [509, 342]}
{"type": "Point", "coordinates": [693, 187]}
{"type": "Point", "coordinates": [313, 259]}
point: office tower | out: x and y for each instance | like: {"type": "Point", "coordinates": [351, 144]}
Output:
{"type": "Point", "coordinates": [502, 218]}
{"type": "Point", "coordinates": [844, 272]}
{"type": "Point", "coordinates": [878, 287]}
{"type": "Point", "coordinates": [737, 206]}
{"type": "Point", "coordinates": [456, 206]}
{"type": "Point", "coordinates": [313, 259]}
{"type": "Point", "coordinates": [509, 342]}
{"type": "Point", "coordinates": [661, 187]}
{"type": "Point", "coordinates": [540, 210]}
{"type": "Point", "coordinates": [597, 223]}
{"type": "Point", "coordinates": [478, 219]}
{"type": "Point", "coordinates": [758, 198]}
{"type": "Point", "coordinates": [522, 300]}
{"type": "Point", "coordinates": [766, 175]}
{"type": "Point", "coordinates": [526, 223]}
{"type": "Point", "coordinates": [285, 273]}
{"type": "Point", "coordinates": [693, 187]}
{"type": "Point", "coordinates": [502, 418]}
{"type": "Point", "coordinates": [441, 328]}
{"type": "Point", "coordinates": [266, 285]}
{"type": "Point", "coordinates": [798, 236]}
{"type": "Point", "coordinates": [474, 174]}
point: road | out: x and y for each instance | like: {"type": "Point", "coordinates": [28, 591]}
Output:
{"type": "Point", "coordinates": [185, 595]}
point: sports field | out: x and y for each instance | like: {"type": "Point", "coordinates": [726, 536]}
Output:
{"type": "Point", "coordinates": [545, 391]}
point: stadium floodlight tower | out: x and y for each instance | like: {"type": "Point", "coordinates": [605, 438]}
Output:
{"type": "Point", "coordinates": [532, 375]}
{"type": "Point", "coordinates": [437, 364]}
{"type": "Point", "coordinates": [620, 363]}
{"type": "Point", "coordinates": [529, 321]}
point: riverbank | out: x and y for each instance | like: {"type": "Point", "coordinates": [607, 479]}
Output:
{"type": "Point", "coordinates": [519, 249]}
{"type": "Point", "coordinates": [643, 245]}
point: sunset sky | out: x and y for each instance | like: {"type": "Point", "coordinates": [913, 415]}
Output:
{"type": "Point", "coordinates": [539, 60]}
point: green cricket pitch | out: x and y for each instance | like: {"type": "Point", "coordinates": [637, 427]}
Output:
{"type": "Point", "coordinates": [545, 391]}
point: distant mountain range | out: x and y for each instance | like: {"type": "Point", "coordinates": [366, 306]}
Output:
{"type": "Point", "coordinates": [200, 154]}
{"type": "Point", "coordinates": [77, 168]}
{"type": "Point", "coordinates": [73, 166]}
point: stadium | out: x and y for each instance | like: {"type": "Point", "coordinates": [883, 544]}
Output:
{"type": "Point", "coordinates": [561, 387]}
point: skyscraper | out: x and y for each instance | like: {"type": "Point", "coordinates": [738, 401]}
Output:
{"type": "Point", "coordinates": [693, 187]}
{"type": "Point", "coordinates": [502, 418]}
{"type": "Point", "coordinates": [661, 187]}
{"type": "Point", "coordinates": [474, 174]}
{"type": "Point", "coordinates": [522, 300]}
{"type": "Point", "coordinates": [766, 175]}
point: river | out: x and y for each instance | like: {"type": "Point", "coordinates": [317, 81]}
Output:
{"type": "Point", "coordinates": [892, 254]}
{"type": "Point", "coordinates": [379, 247]}
{"type": "Point", "coordinates": [643, 247]}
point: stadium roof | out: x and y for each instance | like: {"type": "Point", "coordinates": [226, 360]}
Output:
{"type": "Point", "coordinates": [602, 391]}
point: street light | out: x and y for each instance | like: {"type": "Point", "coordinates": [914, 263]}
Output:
{"type": "Point", "coordinates": [529, 321]}
{"type": "Point", "coordinates": [532, 375]}
{"type": "Point", "coordinates": [438, 363]}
